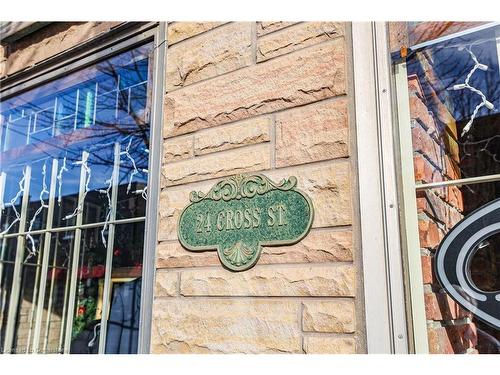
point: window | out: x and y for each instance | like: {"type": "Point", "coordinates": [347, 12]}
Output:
{"type": "Point", "coordinates": [74, 158]}
{"type": "Point", "coordinates": [452, 87]}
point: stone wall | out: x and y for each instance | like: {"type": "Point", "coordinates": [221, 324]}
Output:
{"type": "Point", "coordinates": [277, 98]}
{"type": "Point", "coordinates": [49, 41]}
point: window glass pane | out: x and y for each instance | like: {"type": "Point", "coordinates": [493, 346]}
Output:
{"type": "Point", "coordinates": [454, 101]}
{"type": "Point", "coordinates": [27, 304]}
{"type": "Point", "coordinates": [89, 291]}
{"type": "Point", "coordinates": [439, 211]}
{"type": "Point", "coordinates": [123, 323]}
{"type": "Point", "coordinates": [84, 136]}
{"type": "Point", "coordinates": [39, 194]}
{"type": "Point", "coordinates": [56, 293]}
{"type": "Point", "coordinates": [13, 194]}
{"type": "Point", "coordinates": [96, 201]}
{"type": "Point", "coordinates": [133, 178]}
{"type": "Point", "coordinates": [66, 191]}
{"type": "Point", "coordinates": [454, 89]}
{"type": "Point", "coordinates": [7, 256]}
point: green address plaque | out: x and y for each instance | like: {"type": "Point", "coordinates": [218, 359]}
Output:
{"type": "Point", "coordinates": [241, 214]}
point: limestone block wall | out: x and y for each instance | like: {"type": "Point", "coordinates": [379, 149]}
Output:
{"type": "Point", "coordinates": [274, 98]}
{"type": "Point", "coordinates": [49, 41]}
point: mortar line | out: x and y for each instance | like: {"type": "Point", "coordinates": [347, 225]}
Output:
{"type": "Point", "coordinates": [301, 324]}
{"type": "Point", "coordinates": [300, 49]}
{"type": "Point", "coordinates": [282, 28]}
{"type": "Point", "coordinates": [334, 98]}
{"type": "Point", "coordinates": [298, 299]}
{"type": "Point", "coordinates": [273, 140]}
{"type": "Point", "coordinates": [195, 36]}
{"type": "Point", "coordinates": [337, 228]}
{"type": "Point", "coordinates": [319, 163]}
{"type": "Point", "coordinates": [332, 264]}
{"type": "Point", "coordinates": [253, 38]}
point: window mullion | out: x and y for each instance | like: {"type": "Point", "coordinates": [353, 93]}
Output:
{"type": "Point", "coordinates": [3, 178]}
{"type": "Point", "coordinates": [83, 226]}
{"type": "Point", "coordinates": [459, 182]}
{"type": "Point", "coordinates": [65, 308]}
{"type": "Point", "coordinates": [34, 298]}
{"type": "Point", "coordinates": [45, 259]}
{"type": "Point", "coordinates": [17, 275]}
{"type": "Point", "coordinates": [109, 251]}
{"type": "Point", "coordinates": [410, 218]}
{"type": "Point", "coordinates": [49, 304]}
{"type": "Point", "coordinates": [76, 254]}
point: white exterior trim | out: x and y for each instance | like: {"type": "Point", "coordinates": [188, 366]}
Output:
{"type": "Point", "coordinates": [409, 214]}
{"type": "Point", "coordinates": [386, 326]}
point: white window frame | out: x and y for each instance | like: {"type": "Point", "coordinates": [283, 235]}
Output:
{"type": "Point", "coordinates": [385, 308]}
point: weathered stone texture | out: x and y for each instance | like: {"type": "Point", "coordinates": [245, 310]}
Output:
{"type": "Point", "coordinates": [297, 37]}
{"type": "Point", "coordinates": [329, 316]}
{"type": "Point", "coordinates": [178, 31]}
{"type": "Point", "coordinates": [226, 326]}
{"type": "Point", "coordinates": [50, 41]}
{"type": "Point", "coordinates": [295, 79]}
{"type": "Point", "coordinates": [3, 60]}
{"type": "Point", "coordinates": [242, 133]}
{"type": "Point", "coordinates": [329, 188]}
{"type": "Point", "coordinates": [166, 283]}
{"type": "Point", "coordinates": [222, 50]}
{"type": "Point", "coordinates": [329, 280]}
{"type": "Point", "coordinates": [178, 148]}
{"type": "Point", "coordinates": [311, 133]}
{"type": "Point", "coordinates": [173, 255]}
{"type": "Point", "coordinates": [317, 246]}
{"type": "Point", "coordinates": [249, 159]}
{"type": "Point", "coordinates": [264, 28]}
{"type": "Point", "coordinates": [329, 345]}
{"type": "Point", "coordinates": [172, 202]}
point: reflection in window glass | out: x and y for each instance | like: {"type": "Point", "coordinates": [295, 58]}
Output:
{"type": "Point", "coordinates": [77, 148]}
{"type": "Point", "coordinates": [456, 126]}
{"type": "Point", "coordinates": [454, 100]}
{"type": "Point", "coordinates": [439, 210]}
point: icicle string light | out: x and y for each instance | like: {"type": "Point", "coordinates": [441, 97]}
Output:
{"type": "Point", "coordinates": [108, 215]}
{"type": "Point", "coordinates": [59, 180]}
{"type": "Point", "coordinates": [13, 201]}
{"type": "Point", "coordinates": [79, 208]}
{"type": "Point", "coordinates": [466, 85]}
{"type": "Point", "coordinates": [132, 160]}
{"type": "Point", "coordinates": [143, 192]}
{"type": "Point", "coordinates": [33, 250]}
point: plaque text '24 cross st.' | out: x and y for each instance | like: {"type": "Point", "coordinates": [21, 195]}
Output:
{"type": "Point", "coordinates": [241, 214]}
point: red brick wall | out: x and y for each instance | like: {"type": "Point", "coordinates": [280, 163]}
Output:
{"type": "Point", "coordinates": [450, 329]}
